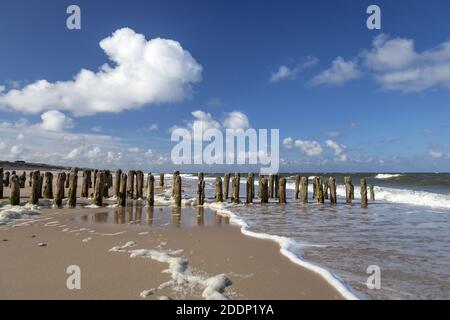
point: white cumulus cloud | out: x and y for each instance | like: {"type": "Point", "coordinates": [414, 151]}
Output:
{"type": "Point", "coordinates": [340, 72]}
{"type": "Point", "coordinates": [310, 148]}
{"type": "Point", "coordinates": [54, 120]}
{"type": "Point", "coordinates": [140, 72]}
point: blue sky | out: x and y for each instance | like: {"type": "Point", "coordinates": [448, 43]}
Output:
{"type": "Point", "coordinates": [344, 97]}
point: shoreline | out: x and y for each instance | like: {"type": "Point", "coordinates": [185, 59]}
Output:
{"type": "Point", "coordinates": [251, 276]}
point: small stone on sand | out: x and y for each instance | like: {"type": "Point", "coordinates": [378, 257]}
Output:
{"type": "Point", "coordinates": [41, 244]}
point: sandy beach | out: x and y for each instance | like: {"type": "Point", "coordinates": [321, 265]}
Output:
{"type": "Point", "coordinates": [174, 254]}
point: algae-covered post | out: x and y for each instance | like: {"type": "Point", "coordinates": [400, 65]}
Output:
{"type": "Point", "coordinates": [372, 193]}
{"type": "Point", "coordinates": [282, 190]}
{"type": "Point", "coordinates": [296, 186]}
{"type": "Point", "coordinates": [161, 179]}
{"type": "Point", "coordinates": [14, 198]}
{"type": "Point", "coordinates": [48, 185]}
{"type": "Point", "coordinates": [59, 189]}
{"type": "Point", "coordinates": [150, 190]}
{"type": "Point", "coordinates": [122, 196]}
{"type": "Point", "coordinates": [117, 177]}
{"type": "Point", "coordinates": [99, 189]}
{"type": "Point", "coordinates": [236, 185]}
{"type": "Point", "coordinates": [250, 188]}
{"type": "Point", "coordinates": [106, 183]}
{"type": "Point", "coordinates": [174, 176]}
{"type": "Point", "coordinates": [22, 179]}
{"type": "Point", "coordinates": [319, 190]}
{"type": "Point", "coordinates": [271, 185]}
{"type": "Point", "coordinates": [6, 181]}
{"type": "Point", "coordinates": [201, 189]}
{"type": "Point", "coordinates": [304, 190]}
{"type": "Point", "coordinates": [177, 190]}
{"type": "Point", "coordinates": [139, 184]}
{"type": "Point", "coordinates": [130, 184]}
{"type": "Point", "coordinates": [226, 185]}
{"type": "Point", "coordinates": [85, 185]}
{"type": "Point", "coordinates": [348, 189]}
{"type": "Point", "coordinates": [219, 192]}
{"type": "Point", "coordinates": [277, 185]}
{"type": "Point", "coordinates": [264, 187]}
{"type": "Point", "coordinates": [326, 186]}
{"type": "Point", "coordinates": [68, 180]}
{"type": "Point", "coordinates": [363, 185]}
{"type": "Point", "coordinates": [333, 196]}
{"type": "Point", "coordinates": [34, 193]}
{"type": "Point", "coordinates": [41, 184]}
{"type": "Point", "coordinates": [73, 181]}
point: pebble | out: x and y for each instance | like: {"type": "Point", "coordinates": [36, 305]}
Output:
{"type": "Point", "coordinates": [41, 244]}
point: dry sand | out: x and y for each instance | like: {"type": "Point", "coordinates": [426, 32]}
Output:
{"type": "Point", "coordinates": [255, 267]}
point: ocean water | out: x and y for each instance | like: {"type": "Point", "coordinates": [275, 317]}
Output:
{"type": "Point", "coordinates": [405, 232]}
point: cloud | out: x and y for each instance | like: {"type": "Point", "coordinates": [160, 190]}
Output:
{"type": "Point", "coordinates": [96, 129]}
{"type": "Point", "coordinates": [68, 148]}
{"type": "Point", "coordinates": [288, 142]}
{"type": "Point", "coordinates": [332, 134]}
{"type": "Point", "coordinates": [311, 148]}
{"type": "Point", "coordinates": [152, 127]}
{"type": "Point", "coordinates": [54, 120]}
{"type": "Point", "coordinates": [435, 154]}
{"type": "Point", "coordinates": [141, 72]}
{"type": "Point", "coordinates": [284, 72]}
{"type": "Point", "coordinates": [339, 150]}
{"type": "Point", "coordinates": [340, 72]}
{"type": "Point", "coordinates": [236, 120]}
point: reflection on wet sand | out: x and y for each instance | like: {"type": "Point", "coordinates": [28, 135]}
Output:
{"type": "Point", "coordinates": [156, 216]}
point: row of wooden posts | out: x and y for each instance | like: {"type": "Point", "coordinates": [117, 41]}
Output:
{"type": "Point", "coordinates": [131, 186]}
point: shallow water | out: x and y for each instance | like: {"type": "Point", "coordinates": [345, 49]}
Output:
{"type": "Point", "coordinates": [406, 233]}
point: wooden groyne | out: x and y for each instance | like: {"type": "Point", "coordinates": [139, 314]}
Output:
{"type": "Point", "coordinates": [95, 185]}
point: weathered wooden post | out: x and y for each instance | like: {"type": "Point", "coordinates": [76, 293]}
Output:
{"type": "Point", "coordinates": [85, 185]}
{"type": "Point", "coordinates": [253, 184]}
{"type": "Point", "coordinates": [95, 178]}
{"type": "Point", "coordinates": [22, 179]}
{"type": "Point", "coordinates": [130, 184]}
{"type": "Point", "coordinates": [348, 189]}
{"type": "Point", "coordinates": [250, 188]}
{"type": "Point", "coordinates": [372, 193]}
{"type": "Point", "coordinates": [64, 178]}
{"type": "Point", "coordinates": [314, 195]}
{"type": "Point", "coordinates": [161, 179]}
{"type": "Point", "coordinates": [41, 185]}
{"type": "Point", "coordinates": [34, 193]}
{"type": "Point", "coordinates": [67, 181]}
{"type": "Point", "coordinates": [150, 190]}
{"type": "Point", "coordinates": [122, 196]}
{"type": "Point", "coordinates": [14, 198]}
{"type": "Point", "coordinates": [201, 189]}
{"type": "Point", "coordinates": [174, 176]}
{"type": "Point", "coordinates": [30, 178]}
{"type": "Point", "coordinates": [1, 183]}
{"type": "Point", "coordinates": [277, 185]}
{"type": "Point", "coordinates": [219, 192]}
{"type": "Point", "coordinates": [73, 184]}
{"type": "Point", "coordinates": [177, 190]}
{"type": "Point", "coordinates": [48, 185]}
{"type": "Point", "coordinates": [139, 184]}
{"type": "Point", "coordinates": [264, 187]}
{"type": "Point", "coordinates": [326, 186]}
{"type": "Point", "coordinates": [236, 185]}
{"type": "Point", "coordinates": [319, 190]}
{"type": "Point", "coordinates": [107, 182]}
{"type": "Point", "coordinates": [59, 189]}
{"type": "Point", "coordinates": [296, 186]}
{"type": "Point", "coordinates": [304, 189]}
{"type": "Point", "coordinates": [117, 177]}
{"type": "Point", "coordinates": [271, 185]}
{"type": "Point", "coordinates": [99, 189]}
{"type": "Point", "coordinates": [363, 184]}
{"type": "Point", "coordinates": [282, 190]}
{"type": "Point", "coordinates": [6, 181]}
{"type": "Point", "coordinates": [89, 179]}
{"type": "Point", "coordinates": [333, 196]}
{"type": "Point", "coordinates": [226, 185]}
